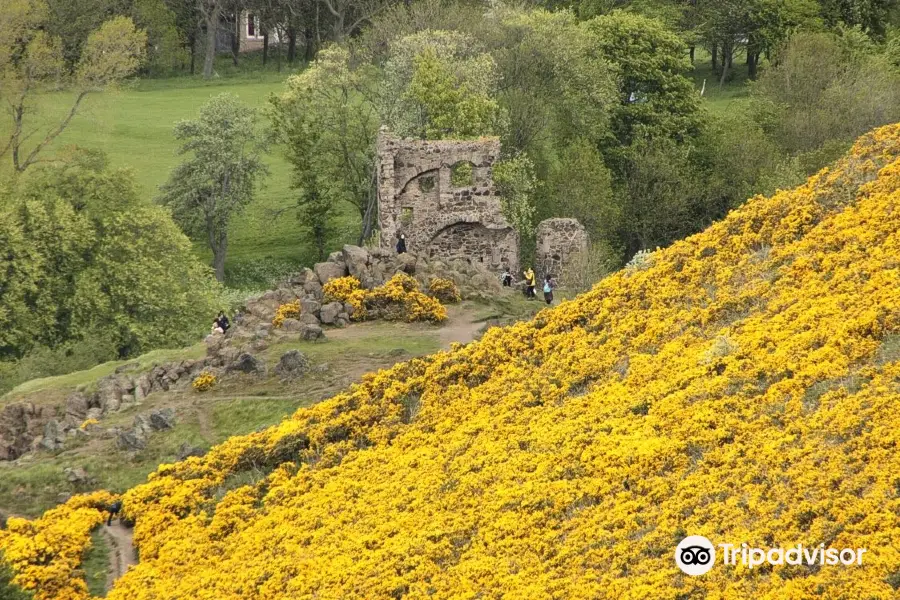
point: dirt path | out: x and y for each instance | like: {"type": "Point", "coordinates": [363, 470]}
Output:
{"type": "Point", "coordinates": [121, 552]}
{"type": "Point", "coordinates": [460, 328]}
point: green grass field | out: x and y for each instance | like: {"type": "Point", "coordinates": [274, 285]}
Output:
{"type": "Point", "coordinates": [134, 127]}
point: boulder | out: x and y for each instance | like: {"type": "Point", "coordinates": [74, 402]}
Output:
{"type": "Point", "coordinates": [314, 289]}
{"type": "Point", "coordinates": [292, 324]}
{"type": "Point", "coordinates": [141, 424]}
{"type": "Point", "coordinates": [330, 311]}
{"type": "Point", "coordinates": [247, 363]}
{"type": "Point", "coordinates": [357, 261]}
{"type": "Point", "coordinates": [349, 309]}
{"type": "Point", "coordinates": [142, 386]}
{"type": "Point", "coordinates": [309, 306]}
{"type": "Point", "coordinates": [312, 332]}
{"type": "Point", "coordinates": [162, 419]}
{"type": "Point", "coordinates": [406, 262]}
{"type": "Point", "coordinates": [292, 364]}
{"type": "Point", "coordinates": [94, 413]}
{"type": "Point", "coordinates": [76, 475]}
{"type": "Point", "coordinates": [327, 271]}
{"type": "Point", "coordinates": [186, 450]}
{"type": "Point", "coordinates": [77, 407]}
{"type": "Point", "coordinates": [131, 439]}
{"type": "Point", "coordinates": [54, 437]}
{"type": "Point", "coordinates": [110, 394]}
{"type": "Point", "coordinates": [308, 319]}
{"type": "Point", "coordinates": [61, 498]}
{"type": "Point", "coordinates": [337, 257]}
{"type": "Point", "coordinates": [342, 320]}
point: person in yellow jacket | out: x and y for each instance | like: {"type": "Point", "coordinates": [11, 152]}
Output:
{"type": "Point", "coordinates": [529, 283]}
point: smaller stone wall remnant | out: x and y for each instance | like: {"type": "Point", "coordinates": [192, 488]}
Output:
{"type": "Point", "coordinates": [558, 240]}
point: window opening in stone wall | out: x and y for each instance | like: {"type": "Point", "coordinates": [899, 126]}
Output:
{"type": "Point", "coordinates": [406, 216]}
{"type": "Point", "coordinates": [462, 174]}
{"type": "Point", "coordinates": [426, 184]}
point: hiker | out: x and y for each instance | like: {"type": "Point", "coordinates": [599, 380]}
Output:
{"type": "Point", "coordinates": [222, 321]}
{"type": "Point", "coordinates": [549, 284]}
{"type": "Point", "coordinates": [114, 509]}
{"type": "Point", "coordinates": [401, 244]}
{"type": "Point", "coordinates": [216, 328]}
{"type": "Point", "coordinates": [506, 278]}
{"type": "Point", "coordinates": [529, 283]}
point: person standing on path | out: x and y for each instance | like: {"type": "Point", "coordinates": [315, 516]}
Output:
{"type": "Point", "coordinates": [549, 284]}
{"type": "Point", "coordinates": [401, 244]}
{"type": "Point", "coordinates": [529, 283]}
{"type": "Point", "coordinates": [114, 509]}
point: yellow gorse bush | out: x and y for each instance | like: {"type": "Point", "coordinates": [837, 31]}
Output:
{"type": "Point", "coordinates": [340, 289]}
{"type": "Point", "coordinates": [204, 381]}
{"type": "Point", "coordinates": [744, 386]}
{"type": "Point", "coordinates": [46, 553]}
{"type": "Point", "coordinates": [87, 423]}
{"type": "Point", "coordinates": [399, 299]}
{"type": "Point", "coordinates": [444, 290]}
{"type": "Point", "coordinates": [289, 310]}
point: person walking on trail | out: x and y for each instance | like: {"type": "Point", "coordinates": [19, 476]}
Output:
{"type": "Point", "coordinates": [114, 509]}
{"type": "Point", "coordinates": [401, 244]}
{"type": "Point", "coordinates": [549, 284]}
{"type": "Point", "coordinates": [529, 283]}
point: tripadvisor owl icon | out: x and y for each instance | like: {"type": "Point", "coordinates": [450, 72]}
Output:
{"type": "Point", "coordinates": [695, 555]}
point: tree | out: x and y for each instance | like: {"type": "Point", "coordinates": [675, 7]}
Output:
{"type": "Point", "coordinates": [32, 60]}
{"type": "Point", "coordinates": [83, 257]}
{"type": "Point", "coordinates": [447, 107]}
{"type": "Point", "coordinates": [655, 98]}
{"type": "Point", "coordinates": [516, 182]}
{"type": "Point", "coordinates": [220, 177]}
{"type": "Point", "coordinates": [210, 13]}
{"type": "Point", "coordinates": [328, 125]}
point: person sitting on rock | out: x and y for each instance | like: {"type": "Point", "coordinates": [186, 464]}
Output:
{"type": "Point", "coordinates": [216, 328]}
{"type": "Point", "coordinates": [222, 321]}
{"type": "Point", "coordinates": [506, 278]}
{"type": "Point", "coordinates": [114, 509]}
{"type": "Point", "coordinates": [401, 244]}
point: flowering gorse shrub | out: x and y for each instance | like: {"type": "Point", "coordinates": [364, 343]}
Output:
{"type": "Point", "coordinates": [565, 457]}
{"type": "Point", "coordinates": [204, 381]}
{"type": "Point", "coordinates": [46, 553]}
{"type": "Point", "coordinates": [444, 290]}
{"type": "Point", "coordinates": [340, 289]}
{"type": "Point", "coordinates": [87, 423]}
{"type": "Point", "coordinates": [289, 310]}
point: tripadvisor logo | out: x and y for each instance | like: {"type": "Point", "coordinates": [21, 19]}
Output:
{"type": "Point", "coordinates": [696, 555]}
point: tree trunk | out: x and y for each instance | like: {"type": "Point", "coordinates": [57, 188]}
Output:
{"type": "Point", "coordinates": [714, 52]}
{"type": "Point", "coordinates": [292, 44]}
{"type": "Point", "coordinates": [236, 39]}
{"type": "Point", "coordinates": [309, 53]}
{"type": "Point", "coordinates": [265, 47]}
{"type": "Point", "coordinates": [219, 261]}
{"type": "Point", "coordinates": [726, 62]}
{"type": "Point", "coordinates": [752, 64]}
{"type": "Point", "coordinates": [212, 25]}
{"type": "Point", "coordinates": [691, 50]}
{"type": "Point", "coordinates": [194, 53]}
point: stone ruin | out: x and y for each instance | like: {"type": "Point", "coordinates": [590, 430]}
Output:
{"type": "Point", "coordinates": [558, 241]}
{"type": "Point", "coordinates": [441, 195]}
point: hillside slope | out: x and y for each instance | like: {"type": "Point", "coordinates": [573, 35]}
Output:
{"type": "Point", "coordinates": [743, 385]}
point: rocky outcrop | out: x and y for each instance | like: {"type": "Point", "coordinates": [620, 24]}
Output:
{"type": "Point", "coordinates": [291, 365]}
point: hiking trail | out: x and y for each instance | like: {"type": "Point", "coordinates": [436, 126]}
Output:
{"type": "Point", "coordinates": [121, 552]}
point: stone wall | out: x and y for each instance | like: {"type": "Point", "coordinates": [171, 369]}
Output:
{"type": "Point", "coordinates": [557, 241]}
{"type": "Point", "coordinates": [417, 197]}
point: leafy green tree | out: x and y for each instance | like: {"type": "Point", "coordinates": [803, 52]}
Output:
{"type": "Point", "coordinates": [438, 84]}
{"type": "Point", "coordinates": [8, 590]}
{"type": "Point", "coordinates": [582, 188]}
{"type": "Point", "coordinates": [516, 182]}
{"type": "Point", "coordinates": [328, 127]}
{"type": "Point", "coordinates": [32, 61]}
{"type": "Point", "coordinates": [83, 257]}
{"type": "Point", "coordinates": [221, 174]}
{"type": "Point", "coordinates": [655, 98]}
{"type": "Point", "coordinates": [872, 16]}
{"type": "Point", "coordinates": [822, 90]}
{"type": "Point", "coordinates": [447, 107]}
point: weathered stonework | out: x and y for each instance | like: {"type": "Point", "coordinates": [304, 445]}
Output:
{"type": "Point", "coordinates": [417, 197]}
{"type": "Point", "coordinates": [557, 241]}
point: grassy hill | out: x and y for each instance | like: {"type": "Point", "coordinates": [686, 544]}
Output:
{"type": "Point", "coordinates": [134, 127]}
{"type": "Point", "coordinates": [743, 384]}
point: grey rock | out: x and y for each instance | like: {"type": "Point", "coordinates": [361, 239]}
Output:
{"type": "Point", "coordinates": [61, 498]}
{"type": "Point", "coordinates": [308, 319]}
{"type": "Point", "coordinates": [186, 450]}
{"type": "Point", "coordinates": [327, 271]}
{"type": "Point", "coordinates": [76, 475]}
{"type": "Point", "coordinates": [142, 387]}
{"type": "Point", "coordinates": [292, 325]}
{"type": "Point", "coordinates": [162, 419]}
{"type": "Point", "coordinates": [77, 406]}
{"type": "Point", "coordinates": [357, 261]}
{"type": "Point", "coordinates": [330, 312]}
{"type": "Point", "coordinates": [54, 437]}
{"type": "Point", "coordinates": [292, 364]}
{"type": "Point", "coordinates": [131, 439]}
{"type": "Point", "coordinates": [94, 413]}
{"type": "Point", "coordinates": [247, 363]}
{"type": "Point", "coordinates": [309, 306]}
{"type": "Point", "coordinates": [312, 332]}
